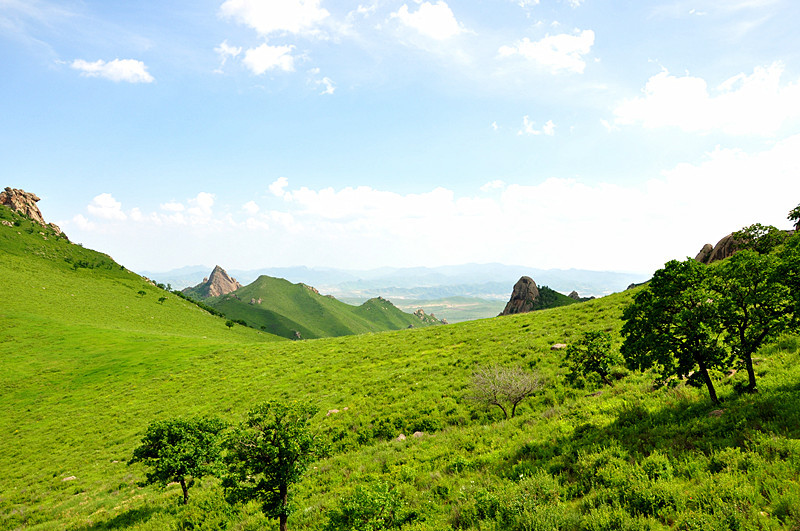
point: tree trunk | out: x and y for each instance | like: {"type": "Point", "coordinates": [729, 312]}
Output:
{"type": "Point", "coordinates": [751, 374]}
{"type": "Point", "coordinates": [185, 491]}
{"type": "Point", "coordinates": [709, 384]}
{"type": "Point", "coordinates": [284, 517]}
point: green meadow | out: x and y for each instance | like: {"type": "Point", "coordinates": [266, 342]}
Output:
{"type": "Point", "coordinates": [91, 355]}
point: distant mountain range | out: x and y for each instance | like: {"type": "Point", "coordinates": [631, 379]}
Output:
{"type": "Point", "coordinates": [482, 281]}
{"type": "Point", "coordinates": [298, 311]}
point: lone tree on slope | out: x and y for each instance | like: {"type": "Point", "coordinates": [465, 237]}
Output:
{"type": "Point", "coordinates": [178, 449]}
{"type": "Point", "coordinates": [268, 453]}
{"type": "Point", "coordinates": [504, 387]}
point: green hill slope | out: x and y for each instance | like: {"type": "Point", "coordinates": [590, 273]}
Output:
{"type": "Point", "coordinates": [285, 309]}
{"type": "Point", "coordinates": [80, 381]}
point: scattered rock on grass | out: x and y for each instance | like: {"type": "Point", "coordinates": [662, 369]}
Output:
{"type": "Point", "coordinates": [558, 346]}
{"type": "Point", "coordinates": [401, 437]}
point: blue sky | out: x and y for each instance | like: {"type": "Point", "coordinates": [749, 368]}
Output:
{"type": "Point", "coordinates": [256, 133]}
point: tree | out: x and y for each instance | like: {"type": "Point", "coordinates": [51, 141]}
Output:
{"type": "Point", "coordinates": [504, 387]}
{"type": "Point", "coordinates": [161, 300]}
{"type": "Point", "coordinates": [268, 453]}
{"type": "Point", "coordinates": [754, 304]}
{"type": "Point", "coordinates": [794, 215]}
{"type": "Point", "coordinates": [229, 323]}
{"type": "Point", "coordinates": [592, 353]}
{"type": "Point", "coordinates": [759, 238]}
{"type": "Point", "coordinates": [141, 293]}
{"type": "Point", "coordinates": [179, 448]}
{"type": "Point", "coordinates": [673, 325]}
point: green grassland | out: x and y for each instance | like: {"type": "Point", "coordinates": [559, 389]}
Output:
{"type": "Point", "coordinates": [279, 307]}
{"type": "Point", "coordinates": [86, 362]}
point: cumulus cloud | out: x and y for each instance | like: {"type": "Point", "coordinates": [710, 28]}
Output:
{"type": "Point", "coordinates": [276, 16]}
{"type": "Point", "coordinates": [558, 222]}
{"type": "Point", "coordinates": [106, 207]}
{"type": "Point", "coordinates": [250, 207]}
{"type": "Point", "coordinates": [265, 57]}
{"type": "Point", "coordinates": [172, 206]}
{"type": "Point", "coordinates": [529, 128]}
{"type": "Point", "coordinates": [128, 70]}
{"type": "Point", "coordinates": [436, 21]}
{"type": "Point", "coordinates": [278, 187]}
{"type": "Point", "coordinates": [558, 53]}
{"type": "Point", "coordinates": [755, 104]}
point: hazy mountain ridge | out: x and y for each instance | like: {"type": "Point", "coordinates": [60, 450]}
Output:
{"type": "Point", "coordinates": [486, 281]}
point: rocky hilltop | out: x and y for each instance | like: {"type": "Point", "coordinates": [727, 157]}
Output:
{"type": "Point", "coordinates": [25, 203]}
{"type": "Point", "coordinates": [219, 283]}
{"type": "Point", "coordinates": [724, 248]}
{"type": "Point", "coordinates": [523, 297]}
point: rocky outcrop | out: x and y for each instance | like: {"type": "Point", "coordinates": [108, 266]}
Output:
{"type": "Point", "coordinates": [523, 297]}
{"type": "Point", "coordinates": [574, 296]}
{"type": "Point", "coordinates": [219, 283]}
{"type": "Point", "coordinates": [25, 203]}
{"type": "Point", "coordinates": [724, 248]}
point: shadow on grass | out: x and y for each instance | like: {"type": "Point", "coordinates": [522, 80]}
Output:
{"type": "Point", "coordinates": [677, 427]}
{"type": "Point", "coordinates": [125, 520]}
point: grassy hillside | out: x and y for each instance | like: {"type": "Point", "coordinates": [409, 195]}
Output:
{"type": "Point", "coordinates": [285, 309]}
{"type": "Point", "coordinates": [81, 380]}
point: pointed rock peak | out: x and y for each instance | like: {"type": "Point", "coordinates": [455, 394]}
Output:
{"type": "Point", "coordinates": [523, 297]}
{"type": "Point", "coordinates": [219, 283]}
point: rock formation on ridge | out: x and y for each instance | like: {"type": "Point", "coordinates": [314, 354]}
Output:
{"type": "Point", "coordinates": [219, 283]}
{"type": "Point", "coordinates": [25, 203]}
{"type": "Point", "coordinates": [724, 248]}
{"type": "Point", "coordinates": [523, 297]}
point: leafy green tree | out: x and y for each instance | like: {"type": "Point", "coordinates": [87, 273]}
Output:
{"type": "Point", "coordinates": [592, 353]}
{"type": "Point", "coordinates": [141, 293]}
{"type": "Point", "coordinates": [754, 304]}
{"type": "Point", "coordinates": [268, 453]}
{"type": "Point", "coordinates": [673, 326]}
{"type": "Point", "coordinates": [794, 215]}
{"type": "Point", "coordinates": [369, 508]}
{"type": "Point", "coordinates": [504, 387]}
{"type": "Point", "coordinates": [178, 449]}
{"type": "Point", "coordinates": [759, 238]}
{"type": "Point", "coordinates": [161, 300]}
{"type": "Point", "coordinates": [229, 323]}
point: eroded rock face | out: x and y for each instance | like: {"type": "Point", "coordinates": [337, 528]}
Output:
{"type": "Point", "coordinates": [219, 283]}
{"type": "Point", "coordinates": [25, 203]}
{"type": "Point", "coordinates": [523, 297]}
{"type": "Point", "coordinates": [724, 248]}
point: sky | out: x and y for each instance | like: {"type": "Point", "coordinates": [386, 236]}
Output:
{"type": "Point", "coordinates": [603, 135]}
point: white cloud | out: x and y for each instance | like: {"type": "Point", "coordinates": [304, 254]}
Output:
{"type": "Point", "coordinates": [755, 104]}
{"type": "Point", "coordinates": [496, 184]}
{"type": "Point", "coordinates": [574, 3]}
{"type": "Point", "coordinates": [529, 128]}
{"type": "Point", "coordinates": [265, 57]}
{"type": "Point", "coordinates": [202, 203]}
{"type": "Point", "coordinates": [556, 223]}
{"type": "Point", "coordinates": [250, 207]}
{"type": "Point", "coordinates": [225, 51]}
{"type": "Point", "coordinates": [172, 206]}
{"type": "Point", "coordinates": [276, 16]}
{"type": "Point", "coordinates": [436, 21]}
{"type": "Point", "coordinates": [278, 187]}
{"type": "Point", "coordinates": [559, 53]}
{"type": "Point", "coordinates": [129, 70]}
{"type": "Point", "coordinates": [106, 207]}
{"type": "Point", "coordinates": [328, 84]}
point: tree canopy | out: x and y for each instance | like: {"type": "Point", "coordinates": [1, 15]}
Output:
{"type": "Point", "coordinates": [179, 448]}
{"type": "Point", "coordinates": [269, 452]}
{"type": "Point", "coordinates": [673, 326]}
